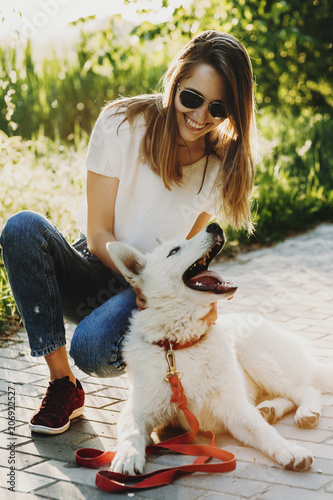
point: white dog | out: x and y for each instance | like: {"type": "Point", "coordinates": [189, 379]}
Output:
{"type": "Point", "coordinates": [231, 366]}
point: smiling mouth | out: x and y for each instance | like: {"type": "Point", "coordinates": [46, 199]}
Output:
{"type": "Point", "coordinates": [200, 278]}
{"type": "Point", "coordinates": [191, 124]}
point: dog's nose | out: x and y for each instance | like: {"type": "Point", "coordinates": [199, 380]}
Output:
{"type": "Point", "coordinates": [214, 228]}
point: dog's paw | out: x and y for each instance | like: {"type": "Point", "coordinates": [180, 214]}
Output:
{"type": "Point", "coordinates": [295, 458]}
{"type": "Point", "coordinates": [129, 462]}
{"type": "Point", "coordinates": [267, 411]}
{"type": "Point", "coordinates": [306, 418]}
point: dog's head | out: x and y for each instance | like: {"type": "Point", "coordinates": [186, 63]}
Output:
{"type": "Point", "coordinates": [176, 270]}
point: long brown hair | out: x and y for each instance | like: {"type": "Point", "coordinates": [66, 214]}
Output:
{"type": "Point", "coordinates": [231, 142]}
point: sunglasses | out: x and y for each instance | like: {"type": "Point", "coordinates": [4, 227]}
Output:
{"type": "Point", "coordinates": [192, 100]}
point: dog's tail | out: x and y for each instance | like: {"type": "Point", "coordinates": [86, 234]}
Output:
{"type": "Point", "coordinates": [324, 377]}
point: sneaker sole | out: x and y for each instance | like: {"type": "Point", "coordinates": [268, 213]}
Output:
{"type": "Point", "coordinates": [58, 430]}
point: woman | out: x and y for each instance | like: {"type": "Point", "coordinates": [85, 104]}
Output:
{"type": "Point", "coordinates": [159, 167]}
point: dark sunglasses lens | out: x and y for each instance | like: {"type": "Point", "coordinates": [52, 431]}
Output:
{"type": "Point", "coordinates": [190, 100]}
{"type": "Point", "coordinates": [217, 110]}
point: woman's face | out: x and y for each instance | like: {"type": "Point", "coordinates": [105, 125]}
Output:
{"type": "Point", "coordinates": [194, 124]}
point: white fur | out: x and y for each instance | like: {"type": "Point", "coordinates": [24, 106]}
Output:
{"type": "Point", "coordinates": [243, 361]}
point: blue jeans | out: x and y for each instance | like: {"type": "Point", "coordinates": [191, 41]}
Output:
{"type": "Point", "coordinates": [52, 280]}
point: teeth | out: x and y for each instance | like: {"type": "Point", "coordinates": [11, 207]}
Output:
{"type": "Point", "coordinates": [201, 262]}
{"type": "Point", "coordinates": [193, 124]}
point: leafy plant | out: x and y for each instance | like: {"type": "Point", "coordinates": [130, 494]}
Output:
{"type": "Point", "coordinates": [294, 181]}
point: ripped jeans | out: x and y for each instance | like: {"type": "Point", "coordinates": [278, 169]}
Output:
{"type": "Point", "coordinates": [52, 280]}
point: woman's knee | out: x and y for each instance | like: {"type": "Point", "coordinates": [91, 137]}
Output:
{"type": "Point", "coordinates": [20, 227]}
{"type": "Point", "coordinates": [96, 345]}
{"type": "Point", "coordinates": [94, 361]}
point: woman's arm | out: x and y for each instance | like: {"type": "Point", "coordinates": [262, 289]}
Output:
{"type": "Point", "coordinates": [101, 197]}
{"type": "Point", "coordinates": [199, 225]}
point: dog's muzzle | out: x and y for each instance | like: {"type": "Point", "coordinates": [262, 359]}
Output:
{"type": "Point", "coordinates": [200, 278]}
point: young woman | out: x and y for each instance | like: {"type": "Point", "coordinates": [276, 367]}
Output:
{"type": "Point", "coordinates": [159, 167]}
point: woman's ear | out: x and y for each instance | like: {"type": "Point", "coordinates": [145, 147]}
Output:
{"type": "Point", "coordinates": [129, 261]}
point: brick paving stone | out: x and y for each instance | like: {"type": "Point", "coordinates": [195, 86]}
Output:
{"type": "Point", "coordinates": [4, 493]}
{"type": "Point", "coordinates": [11, 350]}
{"type": "Point", "coordinates": [25, 414]}
{"type": "Point", "coordinates": [38, 370]}
{"type": "Point", "coordinates": [325, 423]}
{"type": "Point", "coordinates": [279, 492]}
{"type": "Point", "coordinates": [114, 392]}
{"type": "Point", "coordinates": [69, 472]}
{"type": "Point", "coordinates": [18, 377]}
{"type": "Point", "coordinates": [175, 491]}
{"type": "Point", "coordinates": [24, 482]}
{"type": "Point", "coordinates": [6, 439]}
{"type": "Point", "coordinates": [97, 415]}
{"type": "Point", "coordinates": [94, 388]}
{"type": "Point", "coordinates": [20, 364]}
{"type": "Point", "coordinates": [329, 488]}
{"type": "Point", "coordinates": [224, 483]}
{"type": "Point", "coordinates": [115, 406]}
{"type": "Point", "coordinates": [324, 466]}
{"type": "Point", "coordinates": [327, 411]}
{"type": "Point", "coordinates": [21, 429]}
{"type": "Point", "coordinates": [310, 480]}
{"type": "Point", "coordinates": [309, 435]}
{"type": "Point", "coordinates": [99, 442]}
{"type": "Point", "coordinates": [119, 382]}
{"type": "Point", "coordinates": [323, 450]}
{"type": "Point", "coordinates": [96, 401]}
{"type": "Point", "coordinates": [62, 490]}
{"type": "Point", "coordinates": [218, 496]}
{"type": "Point", "coordinates": [23, 460]}
{"type": "Point", "coordinates": [97, 428]}
{"type": "Point", "coordinates": [327, 399]}
{"type": "Point", "coordinates": [22, 401]}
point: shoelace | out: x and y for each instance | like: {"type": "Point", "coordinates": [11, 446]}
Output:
{"type": "Point", "coordinates": [55, 398]}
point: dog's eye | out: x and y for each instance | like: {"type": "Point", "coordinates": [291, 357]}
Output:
{"type": "Point", "coordinates": [173, 251]}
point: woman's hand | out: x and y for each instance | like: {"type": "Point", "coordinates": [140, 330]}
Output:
{"type": "Point", "coordinates": [211, 316]}
{"type": "Point", "coordinates": [140, 299]}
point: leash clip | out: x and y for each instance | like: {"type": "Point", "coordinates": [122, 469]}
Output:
{"type": "Point", "coordinates": [170, 357]}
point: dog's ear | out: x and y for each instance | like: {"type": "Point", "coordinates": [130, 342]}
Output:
{"type": "Point", "coordinates": [128, 260]}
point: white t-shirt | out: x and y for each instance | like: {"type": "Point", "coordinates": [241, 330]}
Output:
{"type": "Point", "coordinates": [146, 212]}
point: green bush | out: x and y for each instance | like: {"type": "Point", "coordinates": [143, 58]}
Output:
{"type": "Point", "coordinates": [294, 180]}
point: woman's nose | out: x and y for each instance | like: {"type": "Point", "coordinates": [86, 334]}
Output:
{"type": "Point", "coordinates": [201, 113]}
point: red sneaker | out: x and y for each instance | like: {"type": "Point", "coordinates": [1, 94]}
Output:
{"type": "Point", "coordinates": [62, 402]}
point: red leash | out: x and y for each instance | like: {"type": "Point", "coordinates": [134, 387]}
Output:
{"type": "Point", "coordinates": [114, 481]}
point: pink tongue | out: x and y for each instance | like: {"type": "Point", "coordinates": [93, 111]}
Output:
{"type": "Point", "coordinates": [207, 278]}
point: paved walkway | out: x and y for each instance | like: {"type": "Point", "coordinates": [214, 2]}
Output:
{"type": "Point", "coordinates": [291, 283]}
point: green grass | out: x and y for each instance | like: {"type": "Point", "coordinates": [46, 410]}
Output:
{"type": "Point", "coordinates": [9, 317]}
{"type": "Point", "coordinates": [40, 175]}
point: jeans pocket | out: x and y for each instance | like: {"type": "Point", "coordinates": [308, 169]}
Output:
{"type": "Point", "coordinates": [80, 243]}
{"type": "Point", "coordinates": [81, 246]}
